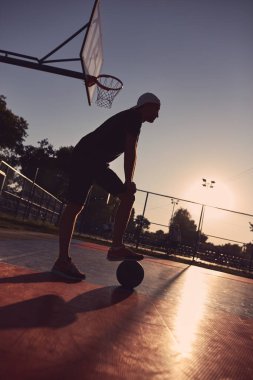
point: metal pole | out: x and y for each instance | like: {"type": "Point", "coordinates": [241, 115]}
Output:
{"type": "Point", "coordinates": [174, 202]}
{"type": "Point", "coordinates": [42, 67]}
{"type": "Point", "coordinates": [40, 206]}
{"type": "Point", "coordinates": [173, 207]}
{"type": "Point", "coordinates": [203, 214]}
{"type": "Point", "coordinates": [27, 213]}
{"type": "Point", "coordinates": [251, 260]}
{"type": "Point", "coordinates": [199, 232]}
{"type": "Point", "coordinates": [64, 43]}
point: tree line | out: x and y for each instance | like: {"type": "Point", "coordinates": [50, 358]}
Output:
{"type": "Point", "coordinates": [50, 164]}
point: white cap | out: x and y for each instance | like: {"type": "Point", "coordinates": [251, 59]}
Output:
{"type": "Point", "coordinates": [148, 97]}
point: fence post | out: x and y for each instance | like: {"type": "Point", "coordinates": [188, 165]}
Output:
{"type": "Point", "coordinates": [2, 180]}
{"type": "Point", "coordinates": [199, 232]}
{"type": "Point", "coordinates": [251, 260]}
{"type": "Point", "coordinates": [38, 215]}
{"type": "Point", "coordinates": [53, 212]}
{"type": "Point", "coordinates": [31, 196]}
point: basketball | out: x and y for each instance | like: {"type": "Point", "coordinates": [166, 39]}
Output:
{"type": "Point", "coordinates": [130, 274]}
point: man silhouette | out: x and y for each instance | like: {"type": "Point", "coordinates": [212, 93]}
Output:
{"type": "Point", "coordinates": [90, 164]}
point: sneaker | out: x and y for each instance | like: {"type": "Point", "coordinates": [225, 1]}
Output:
{"type": "Point", "coordinates": [123, 253]}
{"type": "Point", "coordinates": [67, 269]}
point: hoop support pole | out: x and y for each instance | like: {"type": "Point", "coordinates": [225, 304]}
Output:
{"type": "Point", "coordinates": [64, 43]}
{"type": "Point", "coordinates": [41, 67]}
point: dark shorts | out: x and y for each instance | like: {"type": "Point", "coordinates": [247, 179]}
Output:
{"type": "Point", "coordinates": [81, 181]}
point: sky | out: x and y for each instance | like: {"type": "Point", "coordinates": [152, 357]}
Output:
{"type": "Point", "coordinates": [195, 55]}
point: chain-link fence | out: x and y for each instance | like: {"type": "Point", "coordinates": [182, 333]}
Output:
{"type": "Point", "coordinates": [212, 235]}
{"type": "Point", "coordinates": [207, 234]}
{"type": "Point", "coordinates": [23, 198]}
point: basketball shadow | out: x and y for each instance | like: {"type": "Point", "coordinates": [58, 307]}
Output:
{"type": "Point", "coordinates": [53, 311]}
{"type": "Point", "coordinates": [99, 298]}
{"type": "Point", "coordinates": [168, 284]}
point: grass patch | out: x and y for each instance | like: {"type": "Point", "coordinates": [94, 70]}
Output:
{"type": "Point", "coordinates": [16, 223]}
{"type": "Point", "coordinates": [11, 222]}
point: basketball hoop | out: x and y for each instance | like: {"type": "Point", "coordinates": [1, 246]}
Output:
{"type": "Point", "coordinates": [108, 87]}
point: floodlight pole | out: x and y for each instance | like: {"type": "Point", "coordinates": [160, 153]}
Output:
{"type": "Point", "coordinates": [174, 203]}
{"type": "Point", "coordinates": [207, 185]}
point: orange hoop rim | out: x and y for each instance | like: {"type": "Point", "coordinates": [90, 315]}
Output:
{"type": "Point", "coordinates": [107, 88]}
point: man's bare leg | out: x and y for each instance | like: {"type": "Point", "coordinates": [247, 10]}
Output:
{"type": "Point", "coordinates": [121, 218]}
{"type": "Point", "coordinates": [67, 226]}
{"type": "Point", "coordinates": [118, 251]}
{"type": "Point", "coordinates": [64, 265]}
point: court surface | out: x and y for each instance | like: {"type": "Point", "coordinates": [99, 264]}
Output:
{"type": "Point", "coordinates": [182, 322]}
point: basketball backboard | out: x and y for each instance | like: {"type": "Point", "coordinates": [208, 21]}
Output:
{"type": "Point", "coordinates": [91, 53]}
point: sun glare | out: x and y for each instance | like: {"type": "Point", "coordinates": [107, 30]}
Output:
{"type": "Point", "coordinates": [220, 195]}
{"type": "Point", "coordinates": [190, 311]}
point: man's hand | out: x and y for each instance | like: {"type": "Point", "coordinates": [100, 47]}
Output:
{"type": "Point", "coordinates": [131, 187]}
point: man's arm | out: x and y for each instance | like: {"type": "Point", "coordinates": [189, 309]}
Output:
{"type": "Point", "coordinates": [130, 158]}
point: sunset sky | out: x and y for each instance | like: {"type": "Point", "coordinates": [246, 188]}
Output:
{"type": "Point", "coordinates": [195, 55]}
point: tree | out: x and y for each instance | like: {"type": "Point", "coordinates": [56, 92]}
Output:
{"type": "Point", "coordinates": [142, 223]}
{"type": "Point", "coordinates": [61, 170]}
{"type": "Point", "coordinates": [231, 249]}
{"type": "Point", "coordinates": [187, 226]}
{"type": "Point", "coordinates": [40, 157]}
{"type": "Point", "coordinates": [41, 161]}
{"type": "Point", "coordinates": [51, 166]}
{"type": "Point", "coordinates": [159, 238]}
{"type": "Point", "coordinates": [62, 156]}
{"type": "Point", "coordinates": [248, 250]}
{"type": "Point", "coordinates": [159, 234]}
{"type": "Point", "coordinates": [12, 133]}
